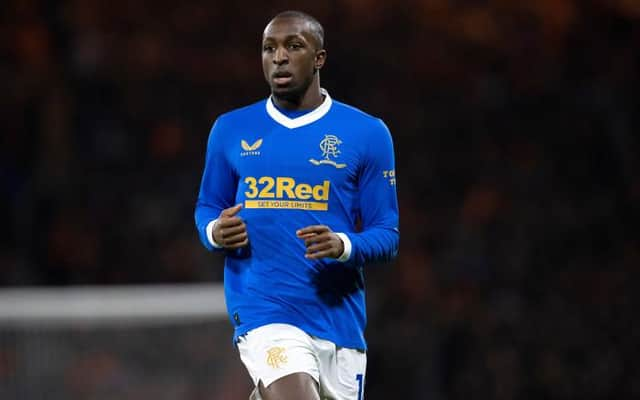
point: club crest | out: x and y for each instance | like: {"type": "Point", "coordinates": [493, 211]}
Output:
{"type": "Point", "coordinates": [329, 147]}
{"type": "Point", "coordinates": [276, 357]}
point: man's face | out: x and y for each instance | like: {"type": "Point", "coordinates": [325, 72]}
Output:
{"type": "Point", "coordinates": [290, 56]}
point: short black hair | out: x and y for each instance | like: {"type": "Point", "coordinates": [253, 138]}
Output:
{"type": "Point", "coordinates": [316, 28]}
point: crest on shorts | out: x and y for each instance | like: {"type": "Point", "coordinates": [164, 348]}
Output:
{"type": "Point", "coordinates": [276, 357]}
{"type": "Point", "coordinates": [329, 146]}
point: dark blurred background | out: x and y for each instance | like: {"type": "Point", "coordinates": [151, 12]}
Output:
{"type": "Point", "coordinates": [515, 125]}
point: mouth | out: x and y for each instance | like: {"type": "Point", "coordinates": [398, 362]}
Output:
{"type": "Point", "coordinates": [282, 77]}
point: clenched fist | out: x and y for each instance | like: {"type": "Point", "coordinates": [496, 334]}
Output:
{"type": "Point", "coordinates": [320, 242]}
{"type": "Point", "coordinates": [230, 231]}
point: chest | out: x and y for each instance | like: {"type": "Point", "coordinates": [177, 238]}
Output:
{"type": "Point", "coordinates": [310, 155]}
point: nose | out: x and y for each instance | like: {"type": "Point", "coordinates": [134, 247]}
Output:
{"type": "Point", "coordinates": [281, 56]}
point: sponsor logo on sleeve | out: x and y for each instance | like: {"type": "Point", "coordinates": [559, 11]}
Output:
{"type": "Point", "coordinates": [390, 175]}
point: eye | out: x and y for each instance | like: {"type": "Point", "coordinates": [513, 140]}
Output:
{"type": "Point", "coordinates": [295, 46]}
{"type": "Point", "coordinates": [268, 48]}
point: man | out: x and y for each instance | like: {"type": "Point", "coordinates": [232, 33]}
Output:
{"type": "Point", "coordinates": [299, 192]}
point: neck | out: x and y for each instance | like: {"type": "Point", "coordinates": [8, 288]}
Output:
{"type": "Point", "coordinates": [308, 100]}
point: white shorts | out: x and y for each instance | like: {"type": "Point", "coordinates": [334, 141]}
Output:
{"type": "Point", "coordinates": [273, 351]}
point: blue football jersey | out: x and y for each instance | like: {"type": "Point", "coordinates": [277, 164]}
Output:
{"type": "Point", "coordinates": [332, 166]}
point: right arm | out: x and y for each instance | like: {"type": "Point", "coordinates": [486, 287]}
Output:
{"type": "Point", "coordinates": [217, 192]}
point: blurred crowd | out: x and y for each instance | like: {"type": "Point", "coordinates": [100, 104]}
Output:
{"type": "Point", "coordinates": [515, 125]}
{"type": "Point", "coordinates": [126, 361]}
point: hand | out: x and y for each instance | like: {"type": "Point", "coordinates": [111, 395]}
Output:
{"type": "Point", "coordinates": [320, 242]}
{"type": "Point", "coordinates": [230, 231]}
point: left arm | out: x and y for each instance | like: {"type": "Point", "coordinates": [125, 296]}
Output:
{"type": "Point", "coordinates": [380, 236]}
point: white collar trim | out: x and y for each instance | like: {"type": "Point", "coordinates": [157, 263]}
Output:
{"type": "Point", "coordinates": [302, 120]}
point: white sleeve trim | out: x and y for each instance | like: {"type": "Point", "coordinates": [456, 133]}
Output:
{"type": "Point", "coordinates": [347, 247]}
{"type": "Point", "coordinates": [209, 229]}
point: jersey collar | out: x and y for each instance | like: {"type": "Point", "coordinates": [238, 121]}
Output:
{"type": "Point", "coordinates": [302, 120]}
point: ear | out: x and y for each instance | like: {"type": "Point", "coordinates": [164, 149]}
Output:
{"type": "Point", "coordinates": [321, 57]}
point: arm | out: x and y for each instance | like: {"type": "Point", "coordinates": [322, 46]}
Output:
{"type": "Point", "coordinates": [380, 237]}
{"type": "Point", "coordinates": [217, 189]}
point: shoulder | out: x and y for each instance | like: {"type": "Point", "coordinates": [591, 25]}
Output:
{"type": "Point", "coordinates": [362, 123]}
{"type": "Point", "coordinates": [241, 114]}
{"type": "Point", "coordinates": [351, 111]}
{"type": "Point", "coordinates": [359, 117]}
{"type": "Point", "coordinates": [240, 119]}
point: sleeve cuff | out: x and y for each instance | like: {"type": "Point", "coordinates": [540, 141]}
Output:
{"type": "Point", "coordinates": [209, 229]}
{"type": "Point", "coordinates": [347, 247]}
